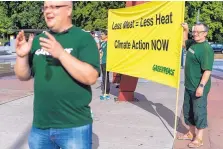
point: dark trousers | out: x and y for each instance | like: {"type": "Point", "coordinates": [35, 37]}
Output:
{"type": "Point", "coordinates": [103, 69]}
{"type": "Point", "coordinates": [195, 109]}
{"type": "Point", "coordinates": [182, 58]}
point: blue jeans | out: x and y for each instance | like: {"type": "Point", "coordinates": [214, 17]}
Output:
{"type": "Point", "coordinates": [66, 138]}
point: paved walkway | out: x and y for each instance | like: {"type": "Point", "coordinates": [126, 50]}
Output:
{"type": "Point", "coordinates": [147, 124]}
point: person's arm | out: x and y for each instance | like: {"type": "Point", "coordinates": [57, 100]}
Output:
{"type": "Point", "coordinates": [205, 77]}
{"type": "Point", "coordinates": [204, 80]}
{"type": "Point", "coordinates": [99, 46]}
{"type": "Point", "coordinates": [98, 43]}
{"type": "Point", "coordinates": [101, 54]}
{"type": "Point", "coordinates": [80, 69]}
{"type": "Point", "coordinates": [185, 34]}
{"type": "Point", "coordinates": [206, 60]}
{"type": "Point", "coordinates": [22, 68]}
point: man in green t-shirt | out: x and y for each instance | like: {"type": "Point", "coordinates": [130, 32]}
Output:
{"type": "Point", "coordinates": [105, 86]}
{"type": "Point", "coordinates": [64, 62]}
{"type": "Point", "coordinates": [198, 67]}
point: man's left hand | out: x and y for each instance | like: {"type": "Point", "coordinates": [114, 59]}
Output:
{"type": "Point", "coordinates": [199, 92]}
{"type": "Point", "coordinates": [51, 45]}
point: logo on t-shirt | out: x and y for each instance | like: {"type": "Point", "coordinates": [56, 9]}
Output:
{"type": "Point", "coordinates": [43, 52]}
{"type": "Point", "coordinates": [103, 45]}
{"type": "Point", "coordinates": [192, 51]}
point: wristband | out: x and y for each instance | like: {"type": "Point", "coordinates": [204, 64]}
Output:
{"type": "Point", "coordinates": [201, 85]}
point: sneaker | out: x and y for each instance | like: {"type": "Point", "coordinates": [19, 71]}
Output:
{"type": "Point", "coordinates": [102, 97]}
{"type": "Point", "coordinates": [107, 97]}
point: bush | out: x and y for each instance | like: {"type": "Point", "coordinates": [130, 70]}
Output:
{"type": "Point", "coordinates": [3, 41]}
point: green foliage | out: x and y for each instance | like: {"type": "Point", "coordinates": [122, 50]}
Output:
{"type": "Point", "coordinates": [211, 13]}
{"type": "Point", "coordinates": [27, 14]}
{"type": "Point", "coordinates": [20, 15]}
{"type": "Point", "coordinates": [93, 15]}
{"type": "Point", "coordinates": [5, 22]}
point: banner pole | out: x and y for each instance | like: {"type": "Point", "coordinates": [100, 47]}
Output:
{"type": "Point", "coordinates": [178, 89]}
{"type": "Point", "coordinates": [175, 123]}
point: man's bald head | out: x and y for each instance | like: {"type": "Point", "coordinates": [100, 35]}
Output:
{"type": "Point", "coordinates": [58, 14]}
{"type": "Point", "coordinates": [69, 3]}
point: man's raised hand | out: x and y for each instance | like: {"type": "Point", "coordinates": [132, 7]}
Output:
{"type": "Point", "coordinates": [185, 26]}
{"type": "Point", "coordinates": [22, 46]}
{"type": "Point", "coordinates": [51, 45]}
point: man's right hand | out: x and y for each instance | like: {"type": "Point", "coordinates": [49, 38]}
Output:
{"type": "Point", "coordinates": [22, 46]}
{"type": "Point", "coordinates": [185, 26]}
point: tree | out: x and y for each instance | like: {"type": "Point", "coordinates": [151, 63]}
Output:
{"type": "Point", "coordinates": [93, 15]}
{"type": "Point", "coordinates": [5, 23]}
{"type": "Point", "coordinates": [86, 14]}
{"type": "Point", "coordinates": [25, 14]}
{"type": "Point", "coordinates": [211, 13]}
{"type": "Point", "coordinates": [28, 15]}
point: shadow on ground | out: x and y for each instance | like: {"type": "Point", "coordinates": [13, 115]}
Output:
{"type": "Point", "coordinates": [18, 144]}
{"type": "Point", "coordinates": [218, 69]}
{"type": "Point", "coordinates": [95, 141]}
{"type": "Point", "coordinates": [157, 109]}
{"type": "Point", "coordinates": [217, 77]}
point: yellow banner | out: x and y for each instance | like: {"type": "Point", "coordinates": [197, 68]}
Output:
{"type": "Point", "coordinates": [145, 41]}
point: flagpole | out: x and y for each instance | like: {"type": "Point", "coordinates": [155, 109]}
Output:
{"type": "Point", "coordinates": [178, 89]}
{"type": "Point", "coordinates": [175, 123]}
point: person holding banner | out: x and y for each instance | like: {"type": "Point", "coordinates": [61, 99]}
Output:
{"type": "Point", "coordinates": [198, 67]}
{"type": "Point", "coordinates": [64, 63]}
{"type": "Point", "coordinates": [105, 86]}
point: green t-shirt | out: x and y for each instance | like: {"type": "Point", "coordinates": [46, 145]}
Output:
{"type": "Point", "coordinates": [200, 57]}
{"type": "Point", "coordinates": [104, 50]}
{"type": "Point", "coordinates": [60, 101]}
